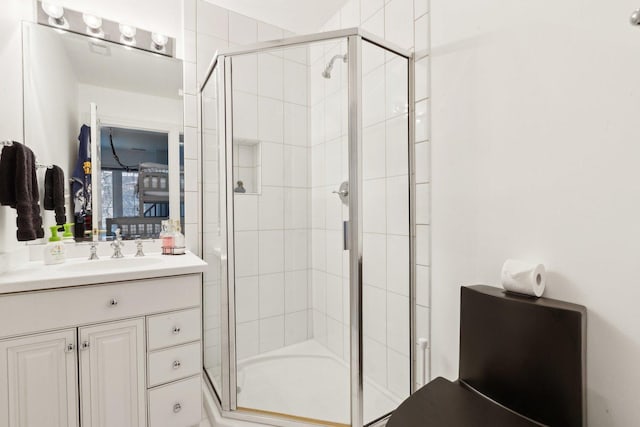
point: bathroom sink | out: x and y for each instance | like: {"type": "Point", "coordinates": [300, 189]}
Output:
{"type": "Point", "coordinates": [111, 264]}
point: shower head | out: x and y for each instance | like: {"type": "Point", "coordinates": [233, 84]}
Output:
{"type": "Point", "coordinates": [327, 71]}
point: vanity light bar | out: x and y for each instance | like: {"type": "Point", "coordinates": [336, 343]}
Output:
{"type": "Point", "coordinates": [103, 29]}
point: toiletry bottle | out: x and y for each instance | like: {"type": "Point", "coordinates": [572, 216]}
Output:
{"type": "Point", "coordinates": [167, 238]}
{"type": "Point", "coordinates": [179, 241]}
{"type": "Point", "coordinates": [54, 251]}
{"type": "Point", "coordinates": [67, 236]}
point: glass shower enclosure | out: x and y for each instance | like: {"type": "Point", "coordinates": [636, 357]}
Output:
{"type": "Point", "coordinates": [308, 230]}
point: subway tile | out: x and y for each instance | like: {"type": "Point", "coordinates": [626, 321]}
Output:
{"type": "Point", "coordinates": [245, 212]}
{"type": "Point", "coordinates": [423, 286]}
{"type": "Point", "coordinates": [271, 208]}
{"type": "Point", "coordinates": [296, 209]}
{"type": "Point", "coordinates": [423, 204]}
{"type": "Point", "coordinates": [271, 251]}
{"type": "Point", "coordinates": [245, 73]}
{"type": "Point", "coordinates": [318, 212]}
{"type": "Point", "coordinates": [398, 205]}
{"type": "Point", "coordinates": [295, 75]}
{"type": "Point", "coordinates": [373, 151]}
{"type": "Point", "coordinates": [189, 15]}
{"type": "Point", "coordinates": [335, 341]}
{"type": "Point", "coordinates": [396, 87]}
{"type": "Point", "coordinates": [191, 207]}
{"type": "Point", "coordinates": [206, 49]}
{"type": "Point", "coordinates": [373, 97]}
{"type": "Point", "coordinates": [270, 120]}
{"type": "Point", "coordinates": [271, 294]}
{"type": "Point", "coordinates": [295, 327]}
{"type": "Point", "coordinates": [319, 290]}
{"type": "Point", "coordinates": [373, 56]}
{"type": "Point", "coordinates": [190, 175]}
{"type": "Point", "coordinates": [318, 249]}
{"type": "Point", "coordinates": [189, 80]}
{"type": "Point", "coordinates": [422, 120]}
{"type": "Point", "coordinates": [270, 76]}
{"type": "Point", "coordinates": [335, 248]}
{"type": "Point", "coordinates": [333, 162]}
{"type": "Point", "coordinates": [350, 14]}
{"type": "Point", "coordinates": [190, 110]}
{"type": "Point", "coordinates": [374, 204]}
{"type": "Point", "coordinates": [422, 41]}
{"type": "Point", "coordinates": [271, 333]}
{"type": "Point", "coordinates": [247, 299]}
{"type": "Point", "coordinates": [370, 7]}
{"type": "Point", "coordinates": [189, 46]}
{"type": "Point", "coordinates": [423, 162]}
{"type": "Point", "coordinates": [247, 339]}
{"type": "Point", "coordinates": [299, 55]}
{"type": "Point", "coordinates": [398, 264]}
{"type": "Point", "coordinates": [398, 312]}
{"type": "Point", "coordinates": [242, 29]}
{"type": "Point", "coordinates": [374, 313]}
{"type": "Point", "coordinates": [245, 115]}
{"type": "Point", "coordinates": [296, 169]}
{"type": "Point", "coordinates": [296, 131]}
{"type": "Point", "coordinates": [190, 142]}
{"type": "Point", "coordinates": [246, 253]}
{"type": "Point", "coordinates": [334, 297]}
{"type": "Point", "coordinates": [423, 245]}
{"type": "Point", "coordinates": [375, 361]}
{"type": "Point", "coordinates": [374, 260]}
{"type": "Point", "coordinates": [399, 380]}
{"type": "Point", "coordinates": [422, 322]}
{"type": "Point", "coordinates": [213, 20]}
{"type": "Point", "coordinates": [296, 247]}
{"type": "Point", "coordinates": [296, 294]}
{"type": "Point", "coordinates": [375, 23]}
{"type": "Point", "coordinates": [420, 7]}
{"type": "Point", "coordinates": [422, 78]}
{"type": "Point", "coordinates": [320, 327]}
{"type": "Point", "coordinates": [272, 164]}
{"type": "Point", "coordinates": [398, 13]}
{"type": "Point", "coordinates": [397, 146]}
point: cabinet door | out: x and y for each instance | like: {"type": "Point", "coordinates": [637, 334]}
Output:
{"type": "Point", "coordinates": [112, 374]}
{"type": "Point", "coordinates": [38, 381]}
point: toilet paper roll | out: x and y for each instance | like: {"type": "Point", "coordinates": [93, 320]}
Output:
{"type": "Point", "coordinates": [524, 278]}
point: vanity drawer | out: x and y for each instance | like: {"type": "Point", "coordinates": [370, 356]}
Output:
{"type": "Point", "coordinates": [177, 404]}
{"type": "Point", "coordinates": [175, 328]}
{"type": "Point", "coordinates": [84, 305]}
{"type": "Point", "coordinates": [174, 363]}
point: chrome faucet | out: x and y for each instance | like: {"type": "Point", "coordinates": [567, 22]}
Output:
{"type": "Point", "coordinates": [117, 245]}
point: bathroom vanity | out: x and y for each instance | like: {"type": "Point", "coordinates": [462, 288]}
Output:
{"type": "Point", "coordinates": [102, 343]}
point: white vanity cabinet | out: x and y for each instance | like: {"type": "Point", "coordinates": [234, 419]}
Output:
{"type": "Point", "coordinates": [124, 354]}
{"type": "Point", "coordinates": [38, 380]}
{"type": "Point", "coordinates": [112, 385]}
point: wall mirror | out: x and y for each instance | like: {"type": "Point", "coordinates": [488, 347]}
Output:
{"type": "Point", "coordinates": [122, 108]}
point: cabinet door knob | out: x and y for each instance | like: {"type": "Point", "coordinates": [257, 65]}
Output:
{"type": "Point", "coordinates": [70, 348]}
{"type": "Point", "coordinates": [113, 302]}
{"type": "Point", "coordinates": [177, 407]}
{"type": "Point", "coordinates": [176, 364]}
{"type": "Point", "coordinates": [85, 345]}
{"type": "Point", "coordinates": [176, 330]}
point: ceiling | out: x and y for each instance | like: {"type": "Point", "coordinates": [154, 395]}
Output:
{"type": "Point", "coordinates": [299, 16]}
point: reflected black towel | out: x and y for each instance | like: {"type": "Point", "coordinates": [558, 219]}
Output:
{"type": "Point", "coordinates": [19, 189]}
{"type": "Point", "coordinates": [54, 193]}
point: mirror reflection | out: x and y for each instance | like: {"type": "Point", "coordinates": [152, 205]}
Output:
{"type": "Point", "coordinates": [112, 121]}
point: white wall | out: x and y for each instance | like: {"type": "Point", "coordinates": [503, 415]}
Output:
{"type": "Point", "coordinates": [535, 156]}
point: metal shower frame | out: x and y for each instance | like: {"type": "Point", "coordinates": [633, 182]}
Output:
{"type": "Point", "coordinates": [221, 65]}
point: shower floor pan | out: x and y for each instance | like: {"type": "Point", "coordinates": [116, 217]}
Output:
{"type": "Point", "coordinates": [307, 382]}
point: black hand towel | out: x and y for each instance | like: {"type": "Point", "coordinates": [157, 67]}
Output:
{"type": "Point", "coordinates": [19, 189]}
{"type": "Point", "coordinates": [54, 193]}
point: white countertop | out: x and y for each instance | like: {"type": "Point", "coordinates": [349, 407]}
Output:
{"type": "Point", "coordinates": [36, 276]}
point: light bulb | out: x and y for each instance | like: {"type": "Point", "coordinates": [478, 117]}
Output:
{"type": "Point", "coordinates": [92, 21]}
{"type": "Point", "coordinates": [53, 10]}
{"type": "Point", "coordinates": [127, 34]}
{"type": "Point", "coordinates": [160, 40]}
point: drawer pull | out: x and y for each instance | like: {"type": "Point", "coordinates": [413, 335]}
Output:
{"type": "Point", "coordinates": [176, 408]}
{"type": "Point", "coordinates": [85, 345]}
{"type": "Point", "coordinates": [113, 302]}
{"type": "Point", "coordinates": [176, 364]}
{"type": "Point", "coordinates": [70, 348]}
{"type": "Point", "coordinates": [176, 330]}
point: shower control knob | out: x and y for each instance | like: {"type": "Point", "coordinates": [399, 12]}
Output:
{"type": "Point", "coordinates": [176, 364]}
{"type": "Point", "coordinates": [177, 408]}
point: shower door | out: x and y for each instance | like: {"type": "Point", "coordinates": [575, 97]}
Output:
{"type": "Point", "coordinates": [306, 159]}
{"type": "Point", "coordinates": [291, 280]}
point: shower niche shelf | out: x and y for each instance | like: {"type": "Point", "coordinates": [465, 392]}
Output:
{"type": "Point", "coordinates": [247, 161]}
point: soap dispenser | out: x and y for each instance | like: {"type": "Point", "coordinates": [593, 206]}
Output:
{"type": "Point", "coordinates": [54, 251]}
{"type": "Point", "coordinates": [67, 236]}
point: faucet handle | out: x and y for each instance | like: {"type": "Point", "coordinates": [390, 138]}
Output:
{"type": "Point", "coordinates": [139, 248]}
{"type": "Point", "coordinates": [93, 251]}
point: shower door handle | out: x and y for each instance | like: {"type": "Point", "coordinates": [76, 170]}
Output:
{"type": "Point", "coordinates": [345, 235]}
